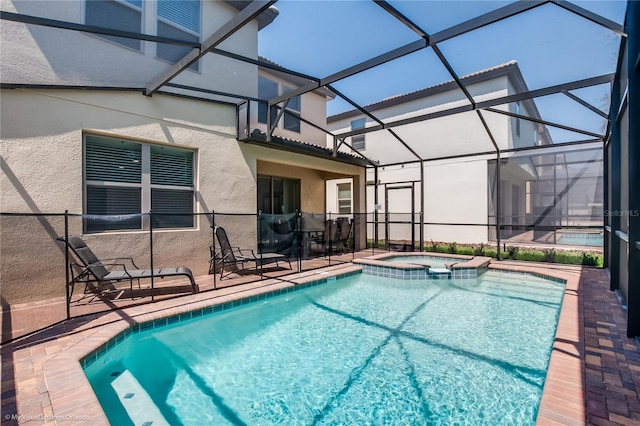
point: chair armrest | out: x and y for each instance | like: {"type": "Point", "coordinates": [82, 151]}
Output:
{"type": "Point", "coordinates": [244, 255]}
{"type": "Point", "coordinates": [130, 259]}
{"type": "Point", "coordinates": [86, 269]}
{"type": "Point", "coordinates": [122, 265]}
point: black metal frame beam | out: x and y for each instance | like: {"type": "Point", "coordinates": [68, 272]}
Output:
{"type": "Point", "coordinates": [52, 23]}
{"type": "Point", "coordinates": [545, 122]}
{"type": "Point", "coordinates": [255, 8]}
{"type": "Point", "coordinates": [586, 104]}
{"type": "Point", "coordinates": [593, 81]}
{"type": "Point", "coordinates": [550, 90]}
{"type": "Point", "coordinates": [508, 151]}
{"type": "Point", "coordinates": [211, 92]}
{"type": "Point", "coordinates": [263, 64]}
{"type": "Point", "coordinates": [593, 17]}
{"type": "Point", "coordinates": [348, 72]}
{"type": "Point", "coordinates": [486, 19]}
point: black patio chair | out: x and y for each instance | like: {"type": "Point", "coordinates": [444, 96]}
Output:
{"type": "Point", "coordinates": [345, 228]}
{"type": "Point", "coordinates": [329, 240]}
{"type": "Point", "coordinates": [231, 256]}
{"type": "Point", "coordinates": [93, 270]}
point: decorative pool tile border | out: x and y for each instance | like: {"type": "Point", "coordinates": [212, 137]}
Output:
{"type": "Point", "coordinates": [91, 357]}
{"type": "Point", "coordinates": [464, 273]}
{"type": "Point", "coordinates": [398, 273]}
{"type": "Point", "coordinates": [422, 273]}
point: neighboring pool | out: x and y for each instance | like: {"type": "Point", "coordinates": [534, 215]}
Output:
{"type": "Point", "coordinates": [581, 239]}
{"type": "Point", "coordinates": [358, 350]}
{"type": "Point", "coordinates": [432, 261]}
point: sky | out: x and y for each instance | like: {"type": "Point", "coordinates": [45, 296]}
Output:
{"type": "Point", "coordinates": [551, 45]}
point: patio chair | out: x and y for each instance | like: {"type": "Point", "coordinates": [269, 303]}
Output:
{"type": "Point", "coordinates": [233, 256]}
{"type": "Point", "coordinates": [93, 270]}
{"type": "Point", "coordinates": [328, 240]}
{"type": "Point", "coordinates": [312, 228]}
{"type": "Point", "coordinates": [345, 227]}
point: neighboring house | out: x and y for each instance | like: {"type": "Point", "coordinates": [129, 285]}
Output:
{"type": "Point", "coordinates": [79, 134]}
{"type": "Point", "coordinates": [450, 185]}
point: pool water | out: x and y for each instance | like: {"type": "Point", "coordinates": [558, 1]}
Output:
{"type": "Point", "coordinates": [435, 262]}
{"type": "Point", "coordinates": [581, 239]}
{"type": "Point", "coordinates": [358, 350]}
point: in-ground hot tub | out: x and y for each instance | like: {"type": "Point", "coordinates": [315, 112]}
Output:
{"type": "Point", "coordinates": [424, 265]}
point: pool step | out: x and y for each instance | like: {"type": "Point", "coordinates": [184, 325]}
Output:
{"type": "Point", "coordinates": [136, 401]}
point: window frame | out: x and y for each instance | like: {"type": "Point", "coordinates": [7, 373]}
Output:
{"type": "Point", "coordinates": [262, 107]}
{"type": "Point", "coordinates": [350, 198]}
{"type": "Point", "coordinates": [291, 115]}
{"type": "Point", "coordinates": [145, 185]}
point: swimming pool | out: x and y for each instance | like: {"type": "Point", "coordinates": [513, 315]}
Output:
{"type": "Point", "coordinates": [581, 239]}
{"type": "Point", "coordinates": [359, 350]}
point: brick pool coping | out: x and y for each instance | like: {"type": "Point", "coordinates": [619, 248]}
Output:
{"type": "Point", "coordinates": [59, 392]}
{"type": "Point", "coordinates": [563, 399]}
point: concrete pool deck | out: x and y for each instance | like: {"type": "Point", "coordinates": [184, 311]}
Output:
{"type": "Point", "coordinates": [593, 378]}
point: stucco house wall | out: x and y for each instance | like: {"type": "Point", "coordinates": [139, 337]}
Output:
{"type": "Point", "coordinates": [42, 144]}
{"type": "Point", "coordinates": [43, 163]}
{"type": "Point", "coordinates": [55, 56]}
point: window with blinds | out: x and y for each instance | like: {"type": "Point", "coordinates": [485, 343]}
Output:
{"type": "Point", "coordinates": [115, 185]}
{"type": "Point", "coordinates": [172, 190]}
{"type": "Point", "coordinates": [125, 15]}
{"type": "Point", "coordinates": [180, 20]}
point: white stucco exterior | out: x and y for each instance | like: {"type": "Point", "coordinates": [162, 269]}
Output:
{"type": "Point", "coordinates": [56, 56]}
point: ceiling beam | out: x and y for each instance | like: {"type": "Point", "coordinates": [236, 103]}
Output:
{"type": "Point", "coordinates": [607, 78]}
{"type": "Point", "coordinates": [347, 72]}
{"type": "Point", "coordinates": [558, 88]}
{"type": "Point", "coordinates": [593, 17]}
{"type": "Point", "coordinates": [545, 122]}
{"type": "Point", "coordinates": [586, 104]}
{"type": "Point", "coordinates": [92, 29]}
{"type": "Point", "coordinates": [246, 15]}
{"type": "Point", "coordinates": [484, 20]}
{"type": "Point", "coordinates": [263, 64]}
{"type": "Point", "coordinates": [402, 18]}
